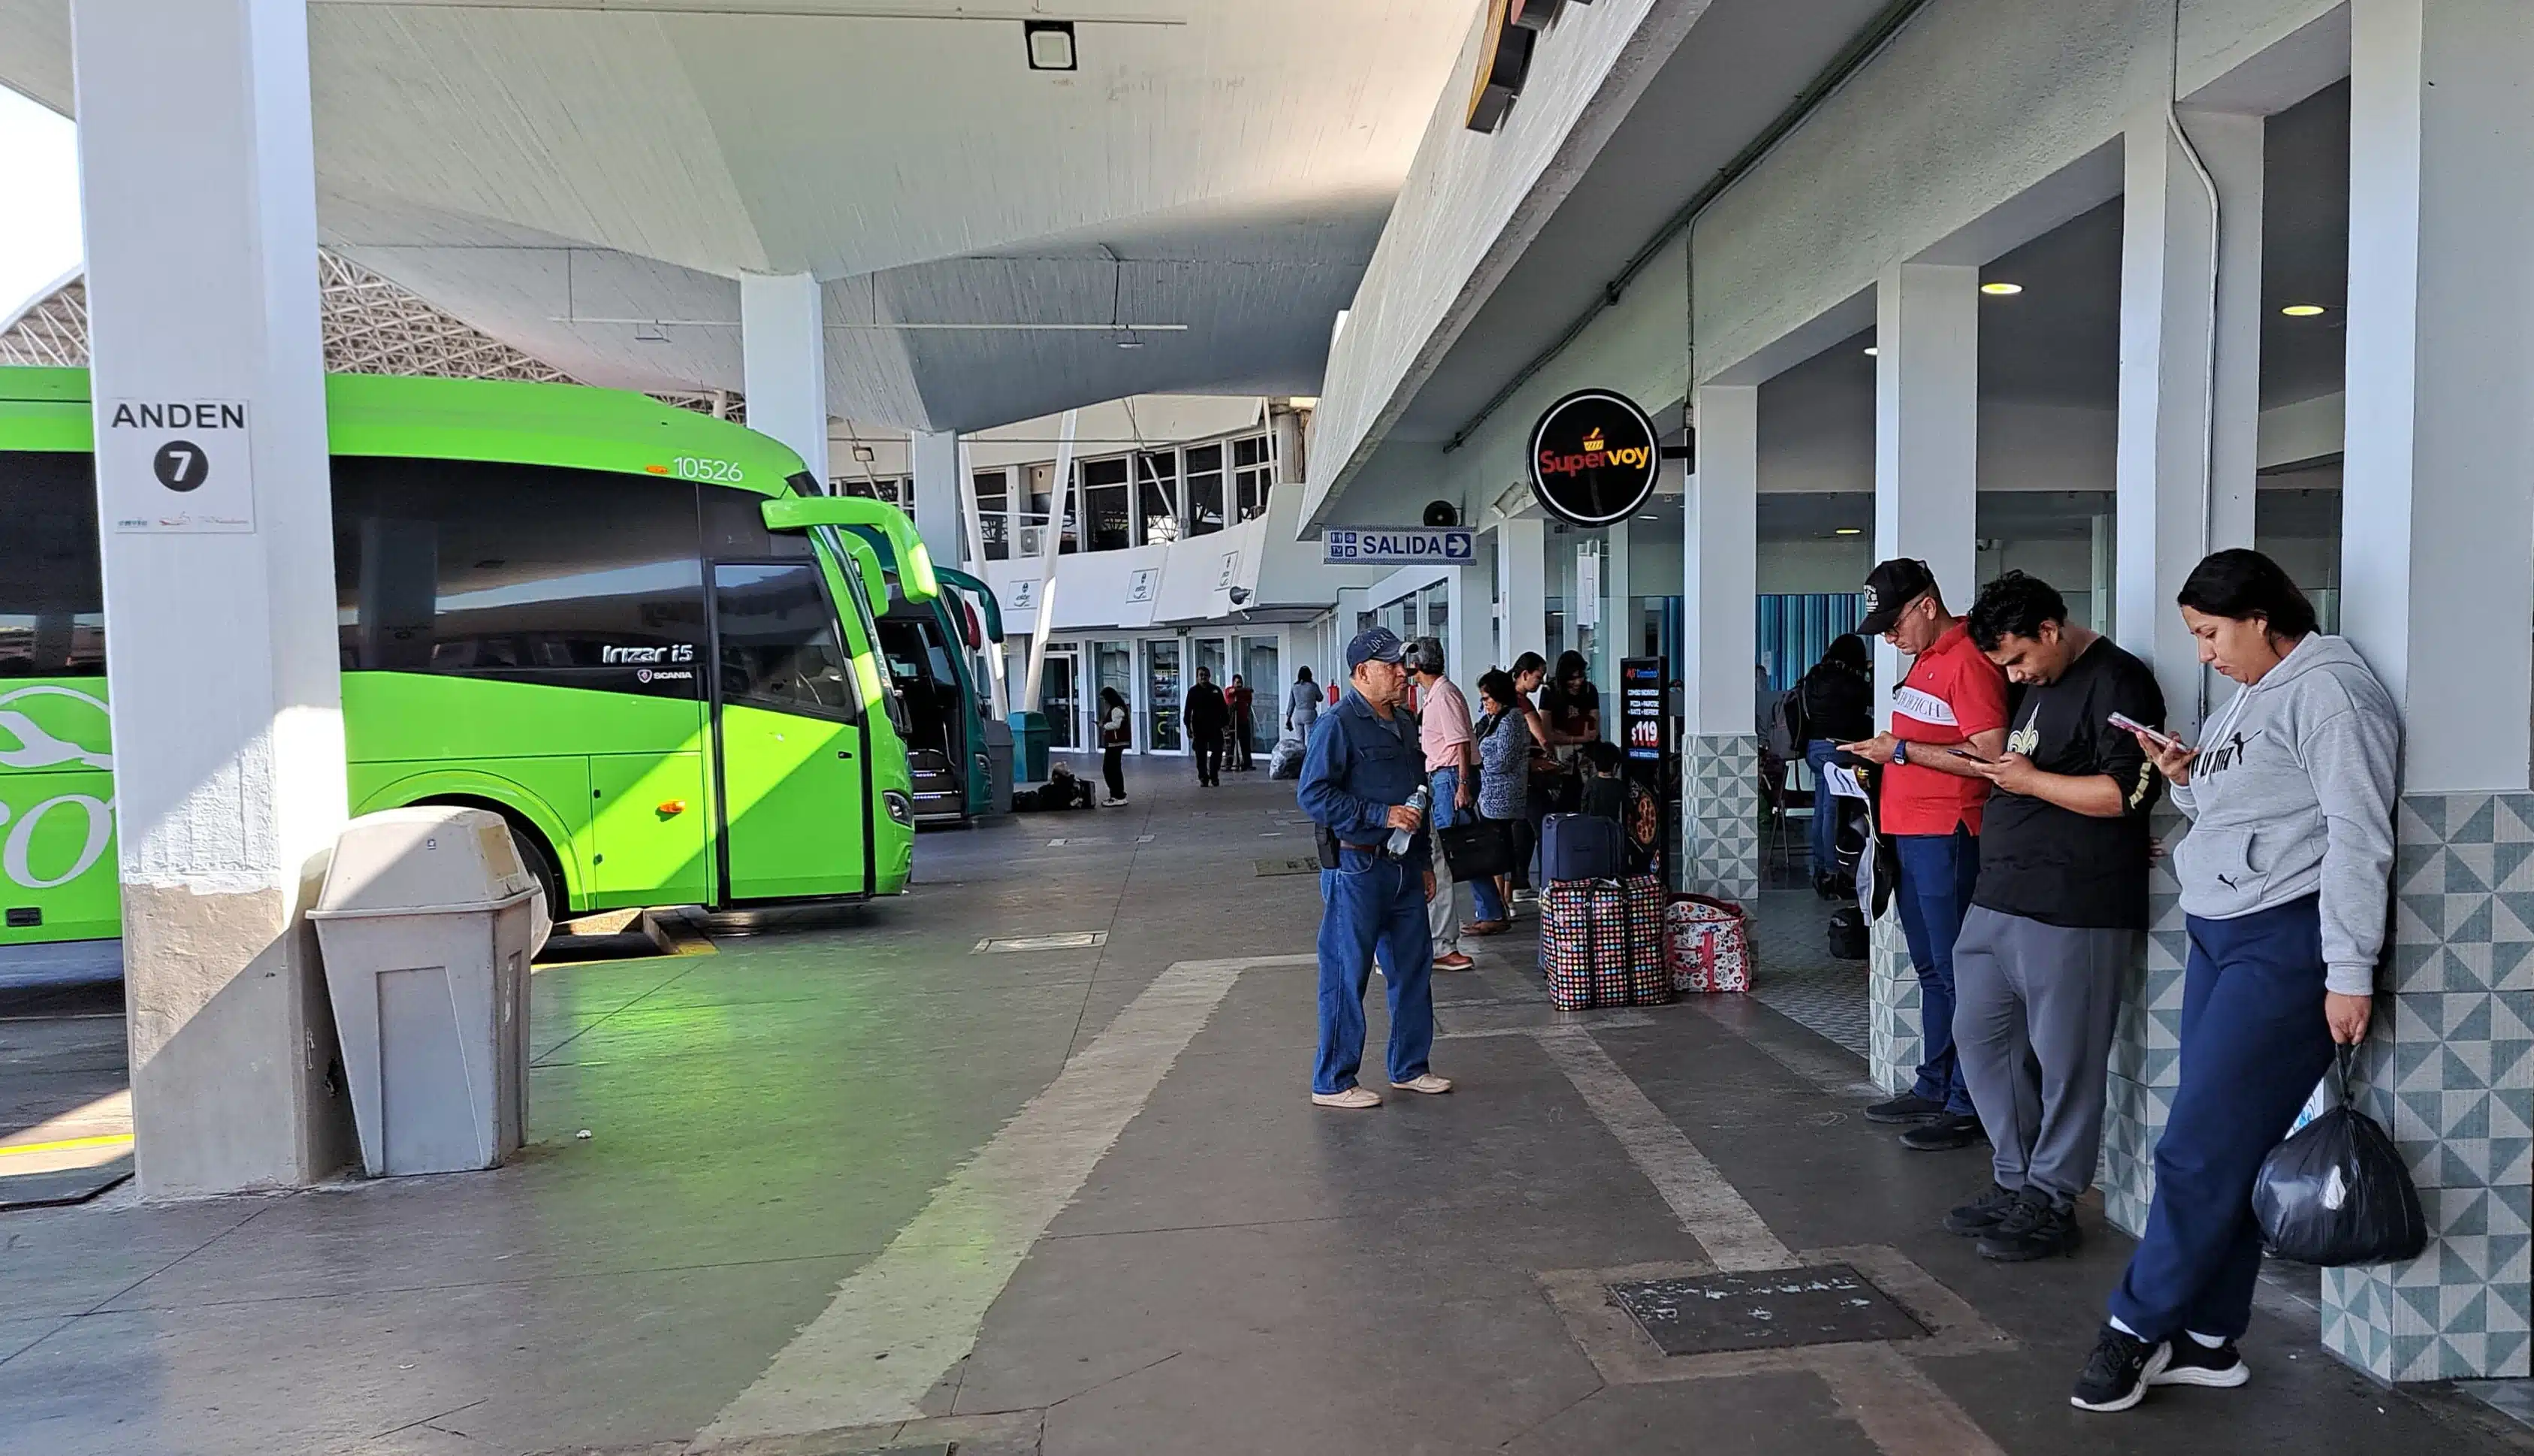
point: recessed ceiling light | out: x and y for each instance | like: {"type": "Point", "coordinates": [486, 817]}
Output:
{"type": "Point", "coordinates": [1050, 44]}
{"type": "Point", "coordinates": [2000, 290]}
{"type": "Point", "coordinates": [2302, 310]}
{"type": "Point", "coordinates": [1849, 531]}
{"type": "Point", "coordinates": [1873, 351]}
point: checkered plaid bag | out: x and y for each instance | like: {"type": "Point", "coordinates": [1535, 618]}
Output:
{"type": "Point", "coordinates": [1584, 942]}
{"type": "Point", "coordinates": [1648, 968]}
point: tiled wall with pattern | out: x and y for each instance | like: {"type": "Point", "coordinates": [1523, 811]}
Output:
{"type": "Point", "coordinates": [2147, 1047]}
{"type": "Point", "coordinates": [2449, 1068]}
{"type": "Point", "coordinates": [1899, 1040]}
{"type": "Point", "coordinates": [1719, 815]}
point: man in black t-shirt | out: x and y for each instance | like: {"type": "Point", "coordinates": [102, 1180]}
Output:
{"type": "Point", "coordinates": [2058, 915]}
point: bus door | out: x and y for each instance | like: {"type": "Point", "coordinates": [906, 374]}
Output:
{"type": "Point", "coordinates": [788, 737]}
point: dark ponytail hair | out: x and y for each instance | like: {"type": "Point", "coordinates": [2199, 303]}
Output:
{"type": "Point", "coordinates": [2243, 584]}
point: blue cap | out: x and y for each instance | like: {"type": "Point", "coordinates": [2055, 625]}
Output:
{"type": "Point", "coordinates": [1374, 645]}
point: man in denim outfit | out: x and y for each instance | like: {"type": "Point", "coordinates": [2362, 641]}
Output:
{"type": "Point", "coordinates": [1361, 767]}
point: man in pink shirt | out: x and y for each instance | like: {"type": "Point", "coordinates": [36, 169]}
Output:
{"type": "Point", "coordinates": [1452, 772]}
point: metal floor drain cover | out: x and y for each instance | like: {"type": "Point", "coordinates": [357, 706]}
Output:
{"type": "Point", "coordinates": [1306, 866]}
{"type": "Point", "coordinates": [1070, 940]}
{"type": "Point", "coordinates": [1772, 1309]}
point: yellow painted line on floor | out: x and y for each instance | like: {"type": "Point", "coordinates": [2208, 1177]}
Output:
{"type": "Point", "coordinates": [67, 1144]}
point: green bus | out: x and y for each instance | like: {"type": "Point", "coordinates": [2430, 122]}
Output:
{"type": "Point", "coordinates": [618, 624]}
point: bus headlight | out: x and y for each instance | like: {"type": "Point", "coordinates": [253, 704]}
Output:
{"type": "Point", "coordinates": [901, 807]}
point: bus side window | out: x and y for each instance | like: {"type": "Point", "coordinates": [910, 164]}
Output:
{"type": "Point", "coordinates": [778, 640]}
{"type": "Point", "coordinates": [52, 597]}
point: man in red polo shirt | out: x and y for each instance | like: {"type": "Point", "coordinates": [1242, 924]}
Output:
{"type": "Point", "coordinates": [1953, 697]}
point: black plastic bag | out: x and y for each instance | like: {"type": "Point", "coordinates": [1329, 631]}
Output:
{"type": "Point", "coordinates": [2337, 1194]}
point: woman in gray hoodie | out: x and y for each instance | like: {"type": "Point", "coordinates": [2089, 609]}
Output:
{"type": "Point", "coordinates": [2285, 878]}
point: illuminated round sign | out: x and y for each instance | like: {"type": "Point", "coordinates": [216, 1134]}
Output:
{"type": "Point", "coordinates": [1593, 457]}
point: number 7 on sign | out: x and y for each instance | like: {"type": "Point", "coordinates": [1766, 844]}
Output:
{"type": "Point", "coordinates": [179, 465]}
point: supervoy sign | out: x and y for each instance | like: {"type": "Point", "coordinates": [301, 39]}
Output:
{"type": "Point", "coordinates": [1398, 546]}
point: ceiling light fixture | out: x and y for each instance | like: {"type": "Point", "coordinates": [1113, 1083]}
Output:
{"type": "Point", "coordinates": [1051, 46]}
{"type": "Point", "coordinates": [1131, 343]}
{"type": "Point", "coordinates": [865, 454]}
{"type": "Point", "coordinates": [2303, 310]}
{"type": "Point", "coordinates": [1873, 352]}
{"type": "Point", "coordinates": [2000, 290]}
{"type": "Point", "coordinates": [1849, 531]}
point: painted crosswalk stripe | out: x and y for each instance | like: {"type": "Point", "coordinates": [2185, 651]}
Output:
{"type": "Point", "coordinates": [900, 1322]}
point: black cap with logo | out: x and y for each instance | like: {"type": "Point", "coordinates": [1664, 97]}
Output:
{"type": "Point", "coordinates": [1888, 589]}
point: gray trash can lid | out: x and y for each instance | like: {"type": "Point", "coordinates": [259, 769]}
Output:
{"type": "Point", "coordinates": [431, 857]}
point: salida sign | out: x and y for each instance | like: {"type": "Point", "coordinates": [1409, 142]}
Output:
{"type": "Point", "coordinates": [1593, 457]}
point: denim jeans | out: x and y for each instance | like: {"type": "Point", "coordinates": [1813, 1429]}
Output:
{"type": "Point", "coordinates": [1937, 874]}
{"type": "Point", "coordinates": [1443, 913]}
{"type": "Point", "coordinates": [1373, 902]}
{"type": "Point", "coordinates": [1826, 808]}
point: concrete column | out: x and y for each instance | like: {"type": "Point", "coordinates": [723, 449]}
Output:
{"type": "Point", "coordinates": [1720, 563]}
{"type": "Point", "coordinates": [2185, 455]}
{"type": "Point", "coordinates": [226, 703]}
{"type": "Point", "coordinates": [933, 459]}
{"type": "Point", "coordinates": [1927, 434]}
{"type": "Point", "coordinates": [1522, 586]}
{"type": "Point", "coordinates": [1468, 646]}
{"type": "Point", "coordinates": [2437, 587]}
{"type": "Point", "coordinates": [1618, 620]}
{"type": "Point", "coordinates": [2436, 584]}
{"type": "Point", "coordinates": [783, 350]}
{"type": "Point", "coordinates": [1719, 749]}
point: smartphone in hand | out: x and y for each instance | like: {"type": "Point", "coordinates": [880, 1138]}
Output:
{"type": "Point", "coordinates": [2128, 724]}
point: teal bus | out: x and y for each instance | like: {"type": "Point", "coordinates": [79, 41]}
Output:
{"type": "Point", "coordinates": [633, 630]}
{"type": "Point", "coordinates": [930, 640]}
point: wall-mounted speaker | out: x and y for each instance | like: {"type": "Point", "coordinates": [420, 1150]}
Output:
{"type": "Point", "coordinates": [1441, 515]}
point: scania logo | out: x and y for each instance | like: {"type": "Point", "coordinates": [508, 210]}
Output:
{"type": "Point", "coordinates": [1592, 458]}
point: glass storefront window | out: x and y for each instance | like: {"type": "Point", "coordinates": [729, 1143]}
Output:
{"type": "Point", "coordinates": [1264, 676]}
{"type": "Point", "coordinates": [1162, 694]}
{"type": "Point", "coordinates": [1113, 665]}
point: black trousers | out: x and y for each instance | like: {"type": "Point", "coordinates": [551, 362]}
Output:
{"type": "Point", "coordinates": [1209, 756]}
{"type": "Point", "coordinates": [1240, 751]}
{"type": "Point", "coordinates": [1112, 762]}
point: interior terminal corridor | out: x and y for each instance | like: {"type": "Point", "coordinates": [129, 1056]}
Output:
{"type": "Point", "coordinates": [866, 1186]}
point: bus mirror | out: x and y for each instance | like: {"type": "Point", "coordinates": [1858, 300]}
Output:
{"type": "Point", "coordinates": [916, 581]}
{"type": "Point", "coordinates": [866, 561]}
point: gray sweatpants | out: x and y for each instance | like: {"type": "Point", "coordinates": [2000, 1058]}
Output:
{"type": "Point", "coordinates": [2033, 1014]}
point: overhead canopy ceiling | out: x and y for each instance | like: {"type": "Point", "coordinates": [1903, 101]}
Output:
{"type": "Point", "coordinates": [587, 184]}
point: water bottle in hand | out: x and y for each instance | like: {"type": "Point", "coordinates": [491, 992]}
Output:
{"type": "Point", "coordinates": [1401, 839]}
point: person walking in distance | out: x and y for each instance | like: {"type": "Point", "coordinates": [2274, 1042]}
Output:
{"type": "Point", "coordinates": [1504, 791]}
{"type": "Point", "coordinates": [2286, 878]}
{"type": "Point", "coordinates": [1360, 775]}
{"type": "Point", "coordinates": [1206, 716]}
{"type": "Point", "coordinates": [1301, 705]}
{"type": "Point", "coordinates": [1116, 731]}
{"type": "Point", "coordinates": [2059, 916]}
{"type": "Point", "coordinates": [1451, 771]}
{"type": "Point", "coordinates": [1243, 722]}
{"type": "Point", "coordinates": [1952, 696]}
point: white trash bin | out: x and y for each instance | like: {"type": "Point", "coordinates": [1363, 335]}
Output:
{"type": "Point", "coordinates": [427, 922]}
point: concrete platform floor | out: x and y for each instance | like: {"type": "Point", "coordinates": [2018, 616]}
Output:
{"type": "Point", "coordinates": [862, 1186]}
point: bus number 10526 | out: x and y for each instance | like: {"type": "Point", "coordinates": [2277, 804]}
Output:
{"type": "Point", "coordinates": [696, 468]}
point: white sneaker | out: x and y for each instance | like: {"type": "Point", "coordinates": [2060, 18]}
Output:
{"type": "Point", "coordinates": [1355, 1099]}
{"type": "Point", "coordinates": [1428, 1084]}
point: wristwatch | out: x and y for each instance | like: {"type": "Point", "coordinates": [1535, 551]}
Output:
{"type": "Point", "coordinates": [1901, 751]}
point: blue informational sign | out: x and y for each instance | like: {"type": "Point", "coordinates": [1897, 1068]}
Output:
{"type": "Point", "coordinates": [1398, 546]}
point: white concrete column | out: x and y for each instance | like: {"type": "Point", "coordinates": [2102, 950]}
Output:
{"type": "Point", "coordinates": [1618, 622]}
{"type": "Point", "coordinates": [933, 461]}
{"type": "Point", "coordinates": [198, 190]}
{"type": "Point", "coordinates": [1468, 646]}
{"type": "Point", "coordinates": [1927, 434]}
{"type": "Point", "coordinates": [1720, 563]}
{"type": "Point", "coordinates": [2186, 444]}
{"type": "Point", "coordinates": [1522, 586]}
{"type": "Point", "coordinates": [2437, 583]}
{"type": "Point", "coordinates": [783, 351]}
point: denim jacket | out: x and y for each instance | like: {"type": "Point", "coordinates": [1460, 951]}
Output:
{"type": "Point", "coordinates": [1356, 768]}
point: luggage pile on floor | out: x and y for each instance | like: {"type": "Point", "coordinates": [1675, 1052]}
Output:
{"type": "Point", "coordinates": [1600, 931]}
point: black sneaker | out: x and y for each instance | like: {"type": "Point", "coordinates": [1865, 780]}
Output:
{"type": "Point", "coordinates": [2034, 1228]}
{"type": "Point", "coordinates": [1908, 1107]}
{"type": "Point", "coordinates": [2119, 1373]}
{"type": "Point", "coordinates": [1944, 1135]}
{"type": "Point", "coordinates": [2195, 1363]}
{"type": "Point", "coordinates": [1985, 1212]}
